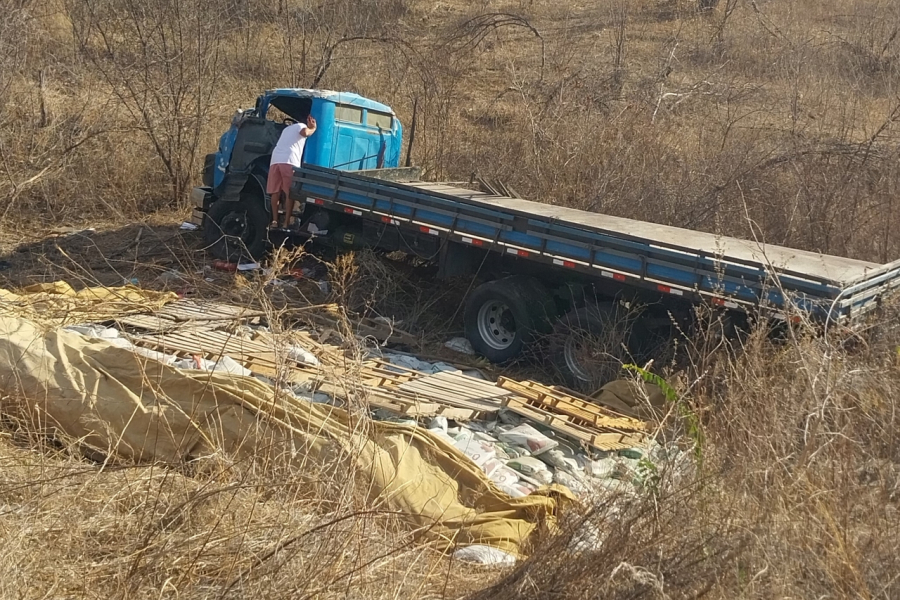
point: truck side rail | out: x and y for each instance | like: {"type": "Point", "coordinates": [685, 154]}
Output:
{"type": "Point", "coordinates": [690, 273]}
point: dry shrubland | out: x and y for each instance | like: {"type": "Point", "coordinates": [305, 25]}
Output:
{"type": "Point", "coordinates": [753, 117]}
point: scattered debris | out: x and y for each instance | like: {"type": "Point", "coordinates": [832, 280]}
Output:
{"type": "Point", "coordinates": [529, 438]}
{"type": "Point", "coordinates": [314, 230]}
{"type": "Point", "coordinates": [171, 276]}
{"type": "Point", "coordinates": [224, 265]}
{"type": "Point", "coordinates": [252, 266]}
{"type": "Point", "coordinates": [71, 231]}
{"type": "Point", "coordinates": [461, 345]}
{"type": "Point", "coordinates": [89, 390]}
{"type": "Point", "coordinates": [484, 555]}
{"type": "Point", "coordinates": [522, 435]}
{"type": "Point", "coordinates": [188, 226]}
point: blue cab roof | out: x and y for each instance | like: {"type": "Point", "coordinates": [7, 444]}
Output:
{"type": "Point", "coordinates": [331, 96]}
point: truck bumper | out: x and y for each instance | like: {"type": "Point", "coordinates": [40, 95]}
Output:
{"type": "Point", "coordinates": [201, 198]}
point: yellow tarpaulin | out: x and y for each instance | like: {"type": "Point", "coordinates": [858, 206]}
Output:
{"type": "Point", "coordinates": [58, 302]}
{"type": "Point", "coordinates": [128, 406]}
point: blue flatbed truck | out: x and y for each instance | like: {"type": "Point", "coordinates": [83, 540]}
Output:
{"type": "Point", "coordinates": [554, 269]}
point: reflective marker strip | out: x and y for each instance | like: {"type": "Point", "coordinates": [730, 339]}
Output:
{"type": "Point", "coordinates": [564, 263]}
{"type": "Point", "coordinates": [353, 211]}
{"type": "Point", "coordinates": [390, 221]}
{"type": "Point", "coordinates": [472, 241]}
{"type": "Point", "coordinates": [517, 252]}
{"type": "Point", "coordinates": [315, 201]}
{"type": "Point", "coordinates": [616, 276]}
{"type": "Point", "coordinates": [667, 290]}
{"type": "Point", "coordinates": [429, 231]}
{"type": "Point", "coordinates": [725, 303]}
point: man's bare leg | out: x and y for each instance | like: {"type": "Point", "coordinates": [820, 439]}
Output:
{"type": "Point", "coordinates": [276, 200]}
{"type": "Point", "coordinates": [288, 210]}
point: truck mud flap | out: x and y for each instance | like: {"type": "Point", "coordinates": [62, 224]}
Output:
{"type": "Point", "coordinates": [201, 198]}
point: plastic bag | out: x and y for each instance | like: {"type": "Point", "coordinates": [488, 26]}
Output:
{"type": "Point", "coordinates": [528, 437]}
{"type": "Point", "coordinates": [484, 555]}
{"type": "Point", "coordinates": [481, 453]}
{"type": "Point", "coordinates": [302, 355]}
{"type": "Point", "coordinates": [505, 476]}
{"type": "Point", "coordinates": [461, 345]}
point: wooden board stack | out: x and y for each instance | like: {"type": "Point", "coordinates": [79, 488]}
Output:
{"type": "Point", "coordinates": [195, 329]}
{"type": "Point", "coordinates": [573, 415]}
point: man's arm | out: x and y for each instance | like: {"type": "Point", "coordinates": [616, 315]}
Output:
{"type": "Point", "coordinates": [310, 127]}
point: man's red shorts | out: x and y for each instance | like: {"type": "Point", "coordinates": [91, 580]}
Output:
{"type": "Point", "coordinates": [280, 175]}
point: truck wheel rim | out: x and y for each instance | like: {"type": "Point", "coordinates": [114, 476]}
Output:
{"type": "Point", "coordinates": [574, 358]}
{"type": "Point", "coordinates": [589, 358]}
{"type": "Point", "coordinates": [496, 325]}
{"type": "Point", "coordinates": [234, 224]}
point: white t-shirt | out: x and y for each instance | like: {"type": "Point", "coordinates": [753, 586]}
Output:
{"type": "Point", "coordinates": [289, 148]}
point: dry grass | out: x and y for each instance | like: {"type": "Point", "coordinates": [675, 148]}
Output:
{"type": "Point", "coordinates": [771, 118]}
{"type": "Point", "coordinates": [75, 529]}
{"type": "Point", "coordinates": [799, 494]}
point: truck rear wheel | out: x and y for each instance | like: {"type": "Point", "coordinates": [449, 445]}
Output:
{"type": "Point", "coordinates": [236, 230]}
{"type": "Point", "coordinates": [589, 345]}
{"type": "Point", "coordinates": [503, 316]}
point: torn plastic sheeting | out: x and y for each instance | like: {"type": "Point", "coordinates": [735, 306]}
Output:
{"type": "Point", "coordinates": [461, 345]}
{"type": "Point", "coordinates": [484, 555]}
{"type": "Point", "coordinates": [225, 364]}
{"type": "Point", "coordinates": [112, 401]}
{"type": "Point", "coordinates": [302, 355]}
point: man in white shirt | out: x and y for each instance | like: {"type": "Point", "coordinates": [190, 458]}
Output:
{"type": "Point", "coordinates": [288, 153]}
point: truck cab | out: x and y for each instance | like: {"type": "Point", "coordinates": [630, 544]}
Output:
{"type": "Point", "coordinates": [353, 133]}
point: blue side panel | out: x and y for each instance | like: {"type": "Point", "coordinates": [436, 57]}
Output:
{"type": "Point", "coordinates": [319, 145]}
{"type": "Point", "coordinates": [729, 287]}
{"type": "Point", "coordinates": [351, 150]}
{"type": "Point", "coordinates": [395, 147]}
{"type": "Point", "coordinates": [376, 151]}
{"type": "Point", "coordinates": [391, 208]}
{"type": "Point", "coordinates": [436, 218]}
{"type": "Point", "coordinates": [678, 276]}
{"type": "Point", "coordinates": [617, 261]}
{"type": "Point", "coordinates": [568, 250]}
{"type": "Point", "coordinates": [223, 156]}
{"type": "Point", "coordinates": [521, 239]}
{"type": "Point", "coordinates": [477, 228]}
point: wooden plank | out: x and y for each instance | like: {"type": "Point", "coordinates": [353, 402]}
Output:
{"type": "Point", "coordinates": [225, 337]}
{"type": "Point", "coordinates": [434, 390]}
{"type": "Point", "coordinates": [462, 381]}
{"type": "Point", "coordinates": [188, 310]}
{"type": "Point", "coordinates": [421, 409]}
{"type": "Point", "coordinates": [561, 424]}
{"type": "Point", "coordinates": [486, 406]}
{"type": "Point", "coordinates": [378, 331]}
{"type": "Point", "coordinates": [147, 322]}
{"type": "Point", "coordinates": [591, 414]}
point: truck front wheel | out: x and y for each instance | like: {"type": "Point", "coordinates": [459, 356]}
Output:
{"type": "Point", "coordinates": [502, 316]}
{"type": "Point", "coordinates": [237, 229]}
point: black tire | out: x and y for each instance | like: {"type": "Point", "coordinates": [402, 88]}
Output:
{"type": "Point", "coordinates": [502, 316]}
{"type": "Point", "coordinates": [236, 230]}
{"type": "Point", "coordinates": [589, 345]}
